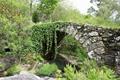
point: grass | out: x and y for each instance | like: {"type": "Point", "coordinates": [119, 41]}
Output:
{"type": "Point", "coordinates": [89, 71]}
{"type": "Point", "coordinates": [71, 15]}
{"type": "Point", "coordinates": [47, 70]}
{"type": "Point", "coordinates": [96, 22]}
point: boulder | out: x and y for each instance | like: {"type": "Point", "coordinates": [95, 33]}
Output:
{"type": "Point", "coordinates": [26, 76]}
{"type": "Point", "coordinates": [5, 63]}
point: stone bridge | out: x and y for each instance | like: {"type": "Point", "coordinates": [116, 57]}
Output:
{"type": "Point", "coordinates": [101, 44]}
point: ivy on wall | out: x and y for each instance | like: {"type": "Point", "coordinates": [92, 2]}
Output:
{"type": "Point", "coordinates": [44, 37]}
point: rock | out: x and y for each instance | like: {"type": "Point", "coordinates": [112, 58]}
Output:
{"type": "Point", "coordinates": [26, 76]}
{"type": "Point", "coordinates": [91, 54]}
{"type": "Point", "coordinates": [93, 33]}
{"type": "Point", "coordinates": [117, 38]}
{"type": "Point", "coordinates": [83, 39]}
{"type": "Point", "coordinates": [95, 45]}
{"type": "Point", "coordinates": [78, 27]}
{"type": "Point", "coordinates": [77, 36]}
{"type": "Point", "coordinates": [95, 39]}
{"type": "Point", "coordinates": [107, 34]}
{"type": "Point", "coordinates": [74, 33]}
{"type": "Point", "coordinates": [70, 30]}
{"type": "Point", "coordinates": [99, 50]}
{"type": "Point", "coordinates": [87, 43]}
{"type": "Point", "coordinates": [6, 62]}
{"type": "Point", "coordinates": [109, 59]}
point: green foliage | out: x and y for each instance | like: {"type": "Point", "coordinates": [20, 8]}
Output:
{"type": "Point", "coordinates": [4, 27]}
{"type": "Point", "coordinates": [13, 70]}
{"type": "Point", "coordinates": [72, 15]}
{"type": "Point", "coordinates": [38, 57]}
{"type": "Point", "coordinates": [15, 11]}
{"type": "Point", "coordinates": [103, 74]}
{"type": "Point", "coordinates": [44, 37]}
{"type": "Point", "coordinates": [94, 72]}
{"type": "Point", "coordinates": [108, 9]}
{"type": "Point", "coordinates": [14, 31]}
{"type": "Point", "coordinates": [31, 58]}
{"type": "Point", "coordinates": [58, 75]}
{"type": "Point", "coordinates": [35, 17]}
{"type": "Point", "coordinates": [2, 65]}
{"type": "Point", "coordinates": [72, 47]}
{"type": "Point", "coordinates": [71, 74]}
{"type": "Point", "coordinates": [89, 71]}
{"type": "Point", "coordinates": [47, 6]}
{"type": "Point", "coordinates": [47, 70]}
{"type": "Point", "coordinates": [44, 10]}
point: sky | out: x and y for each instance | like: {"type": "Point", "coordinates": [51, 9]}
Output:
{"type": "Point", "coordinates": [81, 5]}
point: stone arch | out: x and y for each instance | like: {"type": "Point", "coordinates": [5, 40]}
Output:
{"type": "Point", "coordinates": [88, 36]}
{"type": "Point", "coordinates": [101, 44]}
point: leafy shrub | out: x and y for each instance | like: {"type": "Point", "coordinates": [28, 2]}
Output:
{"type": "Point", "coordinates": [47, 70]}
{"type": "Point", "coordinates": [38, 57]}
{"type": "Point", "coordinates": [70, 46]}
{"type": "Point", "coordinates": [89, 71]}
{"type": "Point", "coordinates": [100, 74]}
{"type": "Point", "coordinates": [58, 75]}
{"type": "Point", "coordinates": [13, 28]}
{"type": "Point", "coordinates": [43, 13]}
{"type": "Point", "coordinates": [94, 72]}
{"type": "Point", "coordinates": [35, 17]}
{"type": "Point", "coordinates": [31, 58]}
{"type": "Point", "coordinates": [72, 74]}
{"type": "Point", "coordinates": [13, 70]}
{"type": "Point", "coordinates": [17, 40]}
{"type": "Point", "coordinates": [44, 37]}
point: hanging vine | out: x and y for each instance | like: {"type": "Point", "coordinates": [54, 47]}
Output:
{"type": "Point", "coordinates": [44, 37]}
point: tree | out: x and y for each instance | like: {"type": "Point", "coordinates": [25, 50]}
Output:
{"type": "Point", "coordinates": [45, 9]}
{"type": "Point", "coordinates": [12, 9]}
{"type": "Point", "coordinates": [108, 9]}
{"type": "Point", "coordinates": [14, 19]}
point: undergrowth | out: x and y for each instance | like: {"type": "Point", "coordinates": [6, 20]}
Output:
{"type": "Point", "coordinates": [89, 71]}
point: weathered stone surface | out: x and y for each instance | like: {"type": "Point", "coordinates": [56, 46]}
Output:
{"type": "Point", "coordinates": [91, 54]}
{"type": "Point", "coordinates": [70, 30]}
{"type": "Point", "coordinates": [87, 43]}
{"type": "Point", "coordinates": [102, 44]}
{"type": "Point", "coordinates": [78, 36]}
{"type": "Point", "coordinates": [107, 34]}
{"type": "Point", "coordinates": [82, 40]}
{"type": "Point", "coordinates": [99, 42]}
{"type": "Point", "coordinates": [26, 76]}
{"type": "Point", "coordinates": [118, 44]}
{"type": "Point", "coordinates": [100, 50]}
{"type": "Point", "coordinates": [109, 60]}
{"type": "Point", "coordinates": [74, 33]}
{"type": "Point", "coordinates": [95, 39]}
{"type": "Point", "coordinates": [117, 60]}
{"type": "Point", "coordinates": [95, 46]}
{"type": "Point", "coordinates": [117, 38]}
{"type": "Point", "coordinates": [94, 33]}
{"type": "Point", "coordinates": [78, 27]}
{"type": "Point", "coordinates": [6, 62]}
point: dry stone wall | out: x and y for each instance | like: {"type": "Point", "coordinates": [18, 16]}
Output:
{"type": "Point", "coordinates": [101, 44]}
